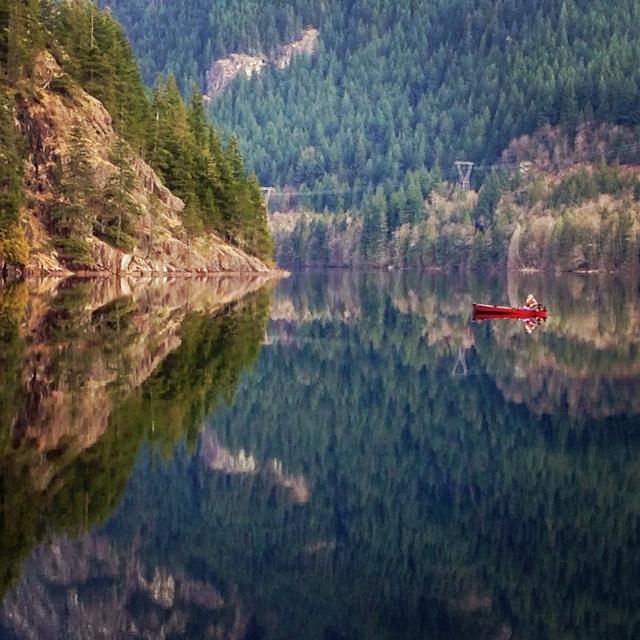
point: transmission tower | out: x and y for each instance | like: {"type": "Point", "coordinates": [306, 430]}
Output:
{"type": "Point", "coordinates": [464, 171]}
{"type": "Point", "coordinates": [267, 192]}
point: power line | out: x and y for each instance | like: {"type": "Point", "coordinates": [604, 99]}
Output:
{"type": "Point", "coordinates": [454, 174]}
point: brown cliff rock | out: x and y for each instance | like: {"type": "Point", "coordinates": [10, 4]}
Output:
{"type": "Point", "coordinates": [223, 71]}
{"type": "Point", "coordinates": [46, 116]}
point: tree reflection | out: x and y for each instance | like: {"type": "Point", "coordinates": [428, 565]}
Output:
{"type": "Point", "coordinates": [84, 383]}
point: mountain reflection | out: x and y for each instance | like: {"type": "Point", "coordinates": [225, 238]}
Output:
{"type": "Point", "coordinates": [381, 467]}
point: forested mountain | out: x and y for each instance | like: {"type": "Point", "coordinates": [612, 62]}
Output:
{"type": "Point", "coordinates": [88, 176]}
{"type": "Point", "coordinates": [396, 90]}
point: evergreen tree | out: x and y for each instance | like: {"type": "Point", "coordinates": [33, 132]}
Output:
{"type": "Point", "coordinates": [374, 228]}
{"type": "Point", "coordinates": [21, 36]}
{"type": "Point", "coordinates": [488, 199]}
{"type": "Point", "coordinates": [415, 201]}
{"type": "Point", "coordinates": [100, 58]}
{"type": "Point", "coordinates": [72, 216]}
{"type": "Point", "coordinates": [115, 223]}
{"type": "Point", "coordinates": [13, 246]}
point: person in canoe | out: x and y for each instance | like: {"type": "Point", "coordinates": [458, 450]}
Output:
{"type": "Point", "coordinates": [531, 303]}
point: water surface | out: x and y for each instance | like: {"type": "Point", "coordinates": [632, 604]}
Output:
{"type": "Point", "coordinates": [348, 456]}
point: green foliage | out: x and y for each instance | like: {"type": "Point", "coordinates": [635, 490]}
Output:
{"type": "Point", "coordinates": [73, 214]}
{"type": "Point", "coordinates": [374, 227]}
{"type": "Point", "coordinates": [187, 152]}
{"type": "Point", "coordinates": [584, 185]}
{"type": "Point", "coordinates": [62, 84]}
{"type": "Point", "coordinates": [74, 251]}
{"type": "Point", "coordinates": [13, 247]}
{"type": "Point", "coordinates": [485, 210]}
{"type": "Point", "coordinates": [21, 34]}
{"type": "Point", "coordinates": [115, 223]}
{"type": "Point", "coordinates": [99, 57]}
{"type": "Point", "coordinates": [576, 188]}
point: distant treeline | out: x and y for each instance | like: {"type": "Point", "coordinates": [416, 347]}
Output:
{"type": "Point", "coordinates": [587, 220]}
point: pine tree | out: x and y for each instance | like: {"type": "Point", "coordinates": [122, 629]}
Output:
{"type": "Point", "coordinates": [488, 199]}
{"type": "Point", "coordinates": [198, 118]}
{"type": "Point", "coordinates": [20, 37]}
{"type": "Point", "coordinates": [13, 246]}
{"type": "Point", "coordinates": [415, 201]}
{"type": "Point", "coordinates": [374, 228]}
{"type": "Point", "coordinates": [261, 243]}
{"type": "Point", "coordinates": [100, 58]}
{"type": "Point", "coordinates": [115, 222]}
{"type": "Point", "coordinates": [5, 15]}
{"type": "Point", "coordinates": [72, 216]}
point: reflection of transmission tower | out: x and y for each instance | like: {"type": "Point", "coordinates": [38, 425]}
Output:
{"type": "Point", "coordinates": [464, 171]}
{"type": "Point", "coordinates": [461, 363]}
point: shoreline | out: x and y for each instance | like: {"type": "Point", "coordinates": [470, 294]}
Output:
{"type": "Point", "coordinates": [141, 276]}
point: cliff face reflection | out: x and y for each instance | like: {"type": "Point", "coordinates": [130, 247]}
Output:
{"type": "Point", "coordinates": [89, 371]}
{"type": "Point", "coordinates": [382, 469]}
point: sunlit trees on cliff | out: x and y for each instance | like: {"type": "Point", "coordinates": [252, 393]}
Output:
{"type": "Point", "coordinates": [100, 58]}
{"type": "Point", "coordinates": [175, 138]}
{"type": "Point", "coordinates": [73, 214]}
{"type": "Point", "coordinates": [116, 219]}
{"type": "Point", "coordinates": [190, 156]}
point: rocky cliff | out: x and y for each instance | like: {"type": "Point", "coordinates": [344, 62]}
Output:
{"type": "Point", "coordinates": [223, 71]}
{"type": "Point", "coordinates": [46, 115]}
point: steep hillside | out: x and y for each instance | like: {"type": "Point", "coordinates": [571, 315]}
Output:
{"type": "Point", "coordinates": [160, 243]}
{"type": "Point", "coordinates": [396, 90]}
{"type": "Point", "coordinates": [195, 33]}
{"type": "Point", "coordinates": [96, 175]}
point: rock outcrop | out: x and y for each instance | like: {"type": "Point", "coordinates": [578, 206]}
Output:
{"type": "Point", "coordinates": [306, 44]}
{"type": "Point", "coordinates": [163, 246]}
{"type": "Point", "coordinates": [224, 70]}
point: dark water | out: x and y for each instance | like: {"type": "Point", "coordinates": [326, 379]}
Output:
{"type": "Point", "coordinates": [341, 456]}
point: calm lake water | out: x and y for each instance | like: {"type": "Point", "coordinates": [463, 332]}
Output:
{"type": "Point", "coordinates": [336, 456]}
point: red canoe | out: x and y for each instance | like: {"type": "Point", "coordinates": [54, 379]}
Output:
{"type": "Point", "coordinates": [490, 311]}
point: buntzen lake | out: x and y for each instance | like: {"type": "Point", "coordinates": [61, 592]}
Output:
{"type": "Point", "coordinates": [337, 455]}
